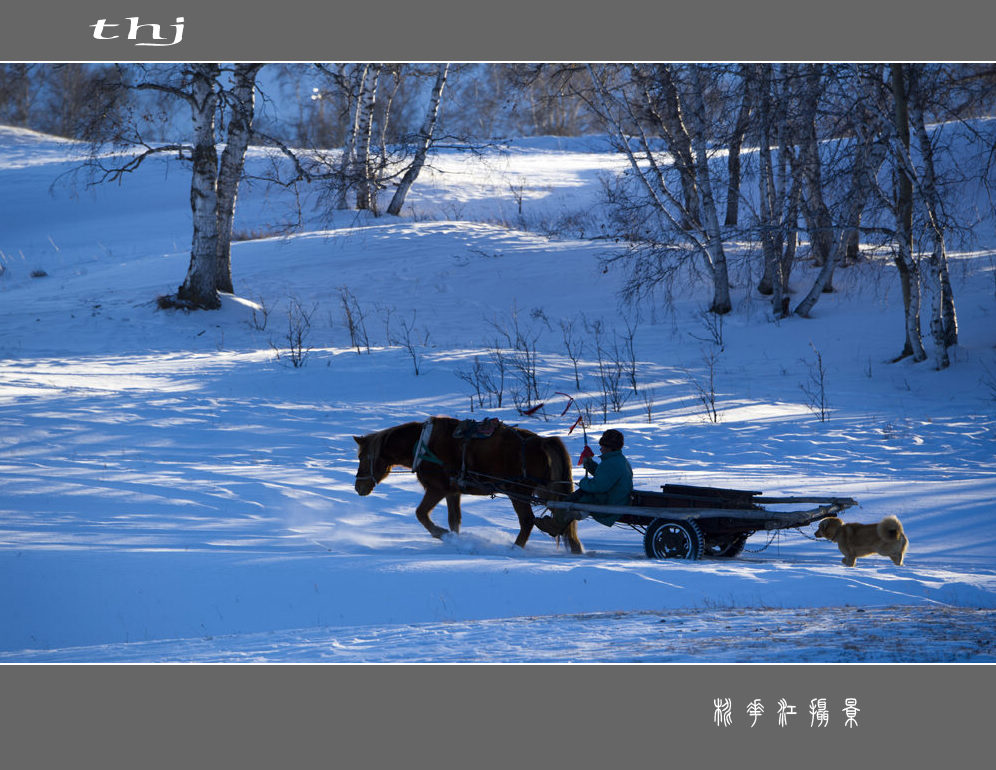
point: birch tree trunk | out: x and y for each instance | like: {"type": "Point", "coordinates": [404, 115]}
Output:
{"type": "Point", "coordinates": [735, 143]}
{"type": "Point", "coordinates": [790, 195]}
{"type": "Point", "coordinates": [665, 104]}
{"type": "Point", "coordinates": [790, 234]}
{"type": "Point", "coordinates": [366, 185]}
{"type": "Point", "coordinates": [772, 209]}
{"type": "Point", "coordinates": [909, 269]}
{"type": "Point", "coordinates": [721, 303]}
{"type": "Point", "coordinates": [233, 157]}
{"type": "Point", "coordinates": [347, 163]}
{"type": "Point", "coordinates": [944, 320]}
{"type": "Point", "coordinates": [771, 282]}
{"type": "Point", "coordinates": [198, 289]}
{"type": "Point", "coordinates": [771, 217]}
{"type": "Point", "coordinates": [397, 77]}
{"type": "Point", "coordinates": [819, 223]}
{"type": "Point", "coordinates": [424, 142]}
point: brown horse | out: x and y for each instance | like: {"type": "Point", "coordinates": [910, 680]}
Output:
{"type": "Point", "coordinates": [511, 461]}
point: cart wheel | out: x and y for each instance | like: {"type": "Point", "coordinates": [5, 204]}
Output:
{"type": "Point", "coordinates": [667, 539]}
{"type": "Point", "coordinates": [726, 547]}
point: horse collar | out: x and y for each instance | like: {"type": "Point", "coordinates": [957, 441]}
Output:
{"type": "Point", "coordinates": [422, 453]}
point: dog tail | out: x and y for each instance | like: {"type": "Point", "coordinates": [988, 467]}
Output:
{"type": "Point", "coordinates": [889, 528]}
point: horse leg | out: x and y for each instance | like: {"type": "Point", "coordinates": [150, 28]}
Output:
{"type": "Point", "coordinates": [429, 501]}
{"type": "Point", "coordinates": [453, 507]}
{"type": "Point", "coordinates": [571, 534]}
{"type": "Point", "coordinates": [526, 519]}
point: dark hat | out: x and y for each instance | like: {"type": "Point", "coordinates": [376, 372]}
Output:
{"type": "Point", "coordinates": [611, 439]}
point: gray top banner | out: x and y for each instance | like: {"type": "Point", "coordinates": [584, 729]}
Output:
{"type": "Point", "coordinates": [513, 30]}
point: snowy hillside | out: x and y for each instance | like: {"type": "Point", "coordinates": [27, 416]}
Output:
{"type": "Point", "coordinates": [173, 488]}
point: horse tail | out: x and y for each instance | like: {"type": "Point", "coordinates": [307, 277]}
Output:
{"type": "Point", "coordinates": [561, 482]}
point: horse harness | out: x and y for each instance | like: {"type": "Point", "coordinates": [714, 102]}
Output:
{"type": "Point", "coordinates": [467, 431]}
{"type": "Point", "coordinates": [422, 451]}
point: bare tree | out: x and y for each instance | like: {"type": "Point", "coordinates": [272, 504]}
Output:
{"type": "Point", "coordinates": [63, 99]}
{"type": "Point", "coordinates": [868, 150]}
{"type": "Point", "coordinates": [352, 83]}
{"type": "Point", "coordinates": [414, 341]}
{"type": "Point", "coordinates": [574, 347]}
{"type": "Point", "coordinates": [213, 189]}
{"type": "Point", "coordinates": [17, 93]}
{"type": "Point", "coordinates": [808, 84]}
{"type": "Point", "coordinates": [374, 102]}
{"type": "Point", "coordinates": [780, 187]}
{"type": "Point", "coordinates": [354, 317]}
{"type": "Point", "coordinates": [522, 359]}
{"type": "Point", "coordinates": [298, 331]}
{"type": "Point", "coordinates": [673, 225]}
{"type": "Point", "coordinates": [815, 387]}
{"type": "Point", "coordinates": [705, 386]}
{"type": "Point", "coordinates": [664, 104]}
{"type": "Point", "coordinates": [424, 141]}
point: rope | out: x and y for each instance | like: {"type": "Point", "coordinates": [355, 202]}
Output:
{"type": "Point", "coordinates": [499, 485]}
{"type": "Point", "coordinates": [771, 538]}
{"type": "Point", "coordinates": [806, 534]}
{"type": "Point", "coordinates": [775, 532]}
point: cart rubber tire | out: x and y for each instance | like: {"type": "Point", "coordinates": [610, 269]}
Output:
{"type": "Point", "coordinates": [727, 548]}
{"type": "Point", "coordinates": [671, 539]}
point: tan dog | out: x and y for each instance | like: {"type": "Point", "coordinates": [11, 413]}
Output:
{"type": "Point", "coordinates": [885, 538]}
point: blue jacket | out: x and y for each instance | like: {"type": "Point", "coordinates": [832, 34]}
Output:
{"type": "Point", "coordinates": [611, 483]}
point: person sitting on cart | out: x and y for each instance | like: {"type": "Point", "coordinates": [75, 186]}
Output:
{"type": "Point", "coordinates": [610, 483]}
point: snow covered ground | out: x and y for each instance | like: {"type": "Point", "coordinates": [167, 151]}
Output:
{"type": "Point", "coordinates": [172, 489]}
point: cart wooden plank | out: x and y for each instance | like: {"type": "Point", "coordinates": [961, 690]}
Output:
{"type": "Point", "coordinates": [764, 518]}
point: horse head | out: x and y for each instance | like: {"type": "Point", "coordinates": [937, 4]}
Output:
{"type": "Point", "coordinates": [372, 468]}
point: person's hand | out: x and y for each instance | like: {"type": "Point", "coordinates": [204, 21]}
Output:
{"type": "Point", "coordinates": [586, 454]}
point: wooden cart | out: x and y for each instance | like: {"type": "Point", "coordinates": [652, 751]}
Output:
{"type": "Point", "coordinates": [687, 522]}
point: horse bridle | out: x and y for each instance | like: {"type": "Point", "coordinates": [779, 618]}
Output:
{"type": "Point", "coordinates": [370, 475]}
